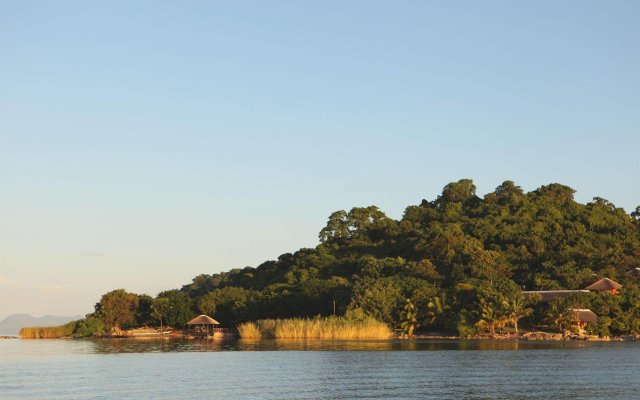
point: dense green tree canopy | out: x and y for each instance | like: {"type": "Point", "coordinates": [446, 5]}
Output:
{"type": "Point", "coordinates": [117, 308]}
{"type": "Point", "coordinates": [460, 260]}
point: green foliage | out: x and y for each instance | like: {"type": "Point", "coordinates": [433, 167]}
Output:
{"type": "Point", "coordinates": [89, 326]}
{"type": "Point", "coordinates": [180, 309]}
{"type": "Point", "coordinates": [143, 313]}
{"type": "Point", "coordinates": [437, 310]}
{"type": "Point", "coordinates": [464, 323]}
{"type": "Point", "coordinates": [229, 303]}
{"type": "Point", "coordinates": [514, 304]}
{"type": "Point", "coordinates": [491, 311]}
{"type": "Point", "coordinates": [460, 259]}
{"type": "Point", "coordinates": [557, 315]}
{"type": "Point", "coordinates": [160, 309]}
{"type": "Point", "coordinates": [458, 192]}
{"type": "Point", "coordinates": [408, 318]}
{"type": "Point", "coordinates": [360, 226]}
{"type": "Point", "coordinates": [379, 298]}
{"type": "Point", "coordinates": [117, 309]}
{"type": "Point", "coordinates": [207, 303]}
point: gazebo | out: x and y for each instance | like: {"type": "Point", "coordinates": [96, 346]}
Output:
{"type": "Point", "coordinates": [202, 323]}
{"type": "Point", "coordinates": [605, 285]}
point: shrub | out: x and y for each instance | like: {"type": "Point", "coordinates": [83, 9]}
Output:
{"type": "Point", "coordinates": [88, 327]}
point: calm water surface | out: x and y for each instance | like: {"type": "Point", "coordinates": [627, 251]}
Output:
{"type": "Point", "coordinates": [242, 369]}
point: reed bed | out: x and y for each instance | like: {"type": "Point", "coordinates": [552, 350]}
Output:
{"type": "Point", "coordinates": [249, 330]}
{"type": "Point", "coordinates": [48, 332]}
{"type": "Point", "coordinates": [337, 328]}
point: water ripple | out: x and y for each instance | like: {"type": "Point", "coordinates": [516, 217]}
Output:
{"type": "Point", "coordinates": [167, 369]}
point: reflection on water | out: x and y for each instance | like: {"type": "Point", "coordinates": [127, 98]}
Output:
{"type": "Point", "coordinates": [155, 345]}
{"type": "Point", "coordinates": [159, 368]}
{"type": "Point", "coordinates": [164, 345]}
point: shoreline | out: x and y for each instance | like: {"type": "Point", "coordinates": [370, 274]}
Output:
{"type": "Point", "coordinates": [522, 337]}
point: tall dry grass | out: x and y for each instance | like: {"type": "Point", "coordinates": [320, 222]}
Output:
{"type": "Point", "coordinates": [317, 328]}
{"type": "Point", "coordinates": [48, 332]}
{"type": "Point", "coordinates": [249, 330]}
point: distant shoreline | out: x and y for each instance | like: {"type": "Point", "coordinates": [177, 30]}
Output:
{"type": "Point", "coordinates": [524, 337]}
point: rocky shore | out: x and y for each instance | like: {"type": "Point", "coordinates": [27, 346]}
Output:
{"type": "Point", "coordinates": [533, 335]}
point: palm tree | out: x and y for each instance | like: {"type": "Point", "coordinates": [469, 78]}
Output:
{"type": "Point", "coordinates": [558, 315]}
{"type": "Point", "coordinates": [515, 307]}
{"type": "Point", "coordinates": [489, 313]}
{"type": "Point", "coordinates": [408, 317]}
{"type": "Point", "coordinates": [437, 307]}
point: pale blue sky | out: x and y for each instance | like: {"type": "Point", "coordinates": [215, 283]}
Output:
{"type": "Point", "coordinates": [144, 144]}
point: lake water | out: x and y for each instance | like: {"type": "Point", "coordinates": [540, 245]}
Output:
{"type": "Point", "coordinates": [269, 369]}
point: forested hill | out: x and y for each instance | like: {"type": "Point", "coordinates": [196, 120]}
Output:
{"type": "Point", "coordinates": [444, 255]}
{"type": "Point", "coordinates": [543, 239]}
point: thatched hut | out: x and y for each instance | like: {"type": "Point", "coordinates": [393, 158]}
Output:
{"type": "Point", "coordinates": [201, 325]}
{"type": "Point", "coordinates": [605, 285]}
{"type": "Point", "coordinates": [634, 273]}
{"type": "Point", "coordinates": [581, 317]}
{"type": "Point", "coordinates": [546, 296]}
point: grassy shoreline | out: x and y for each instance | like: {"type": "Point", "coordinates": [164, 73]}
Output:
{"type": "Point", "coordinates": [48, 332]}
{"type": "Point", "coordinates": [328, 328]}
{"type": "Point", "coordinates": [316, 328]}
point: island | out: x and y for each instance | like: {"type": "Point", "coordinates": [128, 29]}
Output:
{"type": "Point", "coordinates": [510, 264]}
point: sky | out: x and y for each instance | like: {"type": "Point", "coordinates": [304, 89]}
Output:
{"type": "Point", "coordinates": [144, 143]}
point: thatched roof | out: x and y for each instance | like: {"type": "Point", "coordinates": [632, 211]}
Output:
{"type": "Point", "coordinates": [634, 272]}
{"type": "Point", "coordinates": [548, 295]}
{"type": "Point", "coordinates": [203, 320]}
{"type": "Point", "coordinates": [583, 315]}
{"type": "Point", "coordinates": [604, 284]}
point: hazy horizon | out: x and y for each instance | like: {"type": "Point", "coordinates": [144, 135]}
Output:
{"type": "Point", "coordinates": [144, 144]}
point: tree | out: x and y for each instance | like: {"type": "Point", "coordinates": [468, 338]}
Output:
{"type": "Point", "coordinates": [337, 228]}
{"type": "Point", "coordinates": [559, 193]}
{"type": "Point", "coordinates": [160, 307]}
{"type": "Point", "coordinates": [491, 311]}
{"type": "Point", "coordinates": [361, 226]}
{"type": "Point", "coordinates": [558, 314]}
{"type": "Point", "coordinates": [369, 225]}
{"type": "Point", "coordinates": [143, 312]}
{"type": "Point", "coordinates": [636, 214]}
{"type": "Point", "coordinates": [408, 318]}
{"type": "Point", "coordinates": [437, 309]}
{"type": "Point", "coordinates": [207, 303]}
{"type": "Point", "coordinates": [459, 244]}
{"type": "Point", "coordinates": [181, 310]}
{"type": "Point", "coordinates": [426, 270]}
{"type": "Point", "coordinates": [230, 304]}
{"type": "Point", "coordinates": [117, 308]}
{"type": "Point", "coordinates": [508, 190]}
{"type": "Point", "coordinates": [378, 298]}
{"type": "Point", "coordinates": [88, 327]}
{"type": "Point", "coordinates": [631, 307]}
{"type": "Point", "coordinates": [515, 305]}
{"type": "Point", "coordinates": [457, 192]}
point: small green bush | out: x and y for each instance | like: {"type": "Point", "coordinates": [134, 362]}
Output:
{"type": "Point", "coordinates": [88, 327]}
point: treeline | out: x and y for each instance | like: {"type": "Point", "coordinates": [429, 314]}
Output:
{"type": "Point", "coordinates": [456, 264]}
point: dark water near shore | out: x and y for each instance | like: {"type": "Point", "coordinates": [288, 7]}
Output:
{"type": "Point", "coordinates": [268, 369]}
